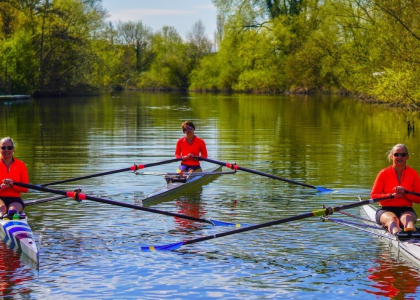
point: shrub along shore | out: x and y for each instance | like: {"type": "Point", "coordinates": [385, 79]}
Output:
{"type": "Point", "coordinates": [67, 47]}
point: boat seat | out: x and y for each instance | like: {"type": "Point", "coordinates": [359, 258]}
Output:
{"type": "Point", "coordinates": [171, 179]}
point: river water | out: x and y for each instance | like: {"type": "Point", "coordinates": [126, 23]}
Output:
{"type": "Point", "coordinates": [92, 250]}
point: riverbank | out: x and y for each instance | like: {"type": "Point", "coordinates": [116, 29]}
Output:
{"type": "Point", "coordinates": [13, 97]}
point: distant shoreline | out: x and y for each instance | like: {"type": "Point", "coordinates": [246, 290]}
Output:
{"type": "Point", "coordinates": [11, 97]}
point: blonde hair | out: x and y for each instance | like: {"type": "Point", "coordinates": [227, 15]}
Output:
{"type": "Point", "coordinates": [389, 153]}
{"type": "Point", "coordinates": [5, 139]}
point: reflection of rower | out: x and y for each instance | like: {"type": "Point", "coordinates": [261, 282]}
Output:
{"type": "Point", "coordinates": [188, 147]}
{"type": "Point", "coordinates": [189, 204]}
{"type": "Point", "coordinates": [12, 274]}
{"type": "Point", "coordinates": [393, 279]}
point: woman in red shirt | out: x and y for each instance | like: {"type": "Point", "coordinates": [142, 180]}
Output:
{"type": "Point", "coordinates": [188, 147]}
{"type": "Point", "coordinates": [397, 213]}
{"type": "Point", "coordinates": [11, 169]}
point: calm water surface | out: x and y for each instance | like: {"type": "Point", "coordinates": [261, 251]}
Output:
{"type": "Point", "coordinates": [92, 250]}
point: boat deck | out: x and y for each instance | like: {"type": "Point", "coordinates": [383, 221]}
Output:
{"type": "Point", "coordinates": [18, 234]}
{"type": "Point", "coordinates": [410, 248]}
{"type": "Point", "coordinates": [173, 188]}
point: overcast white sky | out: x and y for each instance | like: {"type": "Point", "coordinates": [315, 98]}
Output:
{"type": "Point", "coordinates": [181, 14]}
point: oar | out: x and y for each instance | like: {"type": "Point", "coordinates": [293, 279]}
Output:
{"type": "Point", "coordinates": [236, 167]}
{"type": "Point", "coordinates": [43, 200]}
{"type": "Point", "coordinates": [316, 213]}
{"type": "Point", "coordinates": [79, 197]}
{"type": "Point", "coordinates": [132, 168]}
{"type": "Point", "coordinates": [412, 193]}
{"type": "Point", "coordinates": [182, 174]}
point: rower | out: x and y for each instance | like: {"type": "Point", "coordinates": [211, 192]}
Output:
{"type": "Point", "coordinates": [397, 214]}
{"type": "Point", "coordinates": [11, 170]}
{"type": "Point", "coordinates": [188, 148]}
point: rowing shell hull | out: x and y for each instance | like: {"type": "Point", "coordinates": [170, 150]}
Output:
{"type": "Point", "coordinates": [176, 187]}
{"type": "Point", "coordinates": [18, 234]}
{"type": "Point", "coordinates": [409, 248]}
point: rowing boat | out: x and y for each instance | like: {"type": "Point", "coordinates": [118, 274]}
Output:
{"type": "Point", "coordinates": [18, 234]}
{"type": "Point", "coordinates": [176, 184]}
{"type": "Point", "coordinates": [406, 243]}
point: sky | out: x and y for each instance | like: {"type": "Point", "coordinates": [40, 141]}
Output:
{"type": "Point", "coordinates": [181, 14]}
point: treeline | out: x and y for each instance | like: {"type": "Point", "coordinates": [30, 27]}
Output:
{"type": "Point", "coordinates": [368, 47]}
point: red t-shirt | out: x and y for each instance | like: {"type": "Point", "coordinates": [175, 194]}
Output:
{"type": "Point", "coordinates": [18, 173]}
{"type": "Point", "coordinates": [387, 179]}
{"type": "Point", "coordinates": [197, 147]}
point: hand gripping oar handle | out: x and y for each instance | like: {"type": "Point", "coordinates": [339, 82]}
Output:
{"type": "Point", "coordinates": [79, 196]}
{"type": "Point", "coordinates": [236, 167]}
{"type": "Point", "coordinates": [132, 168]}
{"type": "Point", "coordinates": [321, 212]}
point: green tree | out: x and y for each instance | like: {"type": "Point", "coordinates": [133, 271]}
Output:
{"type": "Point", "coordinates": [138, 38]}
{"type": "Point", "coordinates": [59, 40]}
{"type": "Point", "coordinates": [18, 62]}
{"type": "Point", "coordinates": [65, 42]}
{"type": "Point", "coordinates": [256, 13]}
{"type": "Point", "coordinates": [171, 66]}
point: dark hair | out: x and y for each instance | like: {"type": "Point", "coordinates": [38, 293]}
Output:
{"type": "Point", "coordinates": [187, 123]}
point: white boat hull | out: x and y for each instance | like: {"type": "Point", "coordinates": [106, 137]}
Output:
{"type": "Point", "coordinates": [176, 187]}
{"type": "Point", "coordinates": [409, 248]}
{"type": "Point", "coordinates": [18, 234]}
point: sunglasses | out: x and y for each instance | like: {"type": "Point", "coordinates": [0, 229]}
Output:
{"type": "Point", "coordinates": [7, 147]}
{"type": "Point", "coordinates": [188, 128]}
{"type": "Point", "coordinates": [399, 154]}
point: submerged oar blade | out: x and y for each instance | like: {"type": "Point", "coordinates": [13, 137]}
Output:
{"type": "Point", "coordinates": [325, 190]}
{"type": "Point", "coordinates": [220, 223]}
{"type": "Point", "coordinates": [168, 247]}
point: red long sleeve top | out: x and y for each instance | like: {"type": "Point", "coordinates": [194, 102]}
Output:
{"type": "Point", "coordinates": [387, 179]}
{"type": "Point", "coordinates": [197, 147]}
{"type": "Point", "coordinates": [18, 173]}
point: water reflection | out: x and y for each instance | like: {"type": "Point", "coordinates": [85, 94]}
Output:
{"type": "Point", "coordinates": [92, 250]}
{"type": "Point", "coordinates": [13, 272]}
{"type": "Point", "coordinates": [393, 279]}
{"type": "Point", "coordinates": [192, 205]}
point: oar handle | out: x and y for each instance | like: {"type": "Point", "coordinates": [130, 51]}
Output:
{"type": "Point", "coordinates": [236, 167]}
{"type": "Point", "coordinates": [412, 193]}
{"type": "Point", "coordinates": [80, 196]}
{"type": "Point", "coordinates": [132, 168]}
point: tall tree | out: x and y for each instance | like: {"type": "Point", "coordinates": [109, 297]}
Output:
{"type": "Point", "coordinates": [199, 44]}
{"type": "Point", "coordinates": [171, 65]}
{"type": "Point", "coordinates": [256, 13]}
{"type": "Point", "coordinates": [139, 38]}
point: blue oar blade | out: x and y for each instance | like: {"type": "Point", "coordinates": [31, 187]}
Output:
{"type": "Point", "coordinates": [168, 247]}
{"type": "Point", "coordinates": [220, 223]}
{"type": "Point", "coordinates": [325, 190]}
